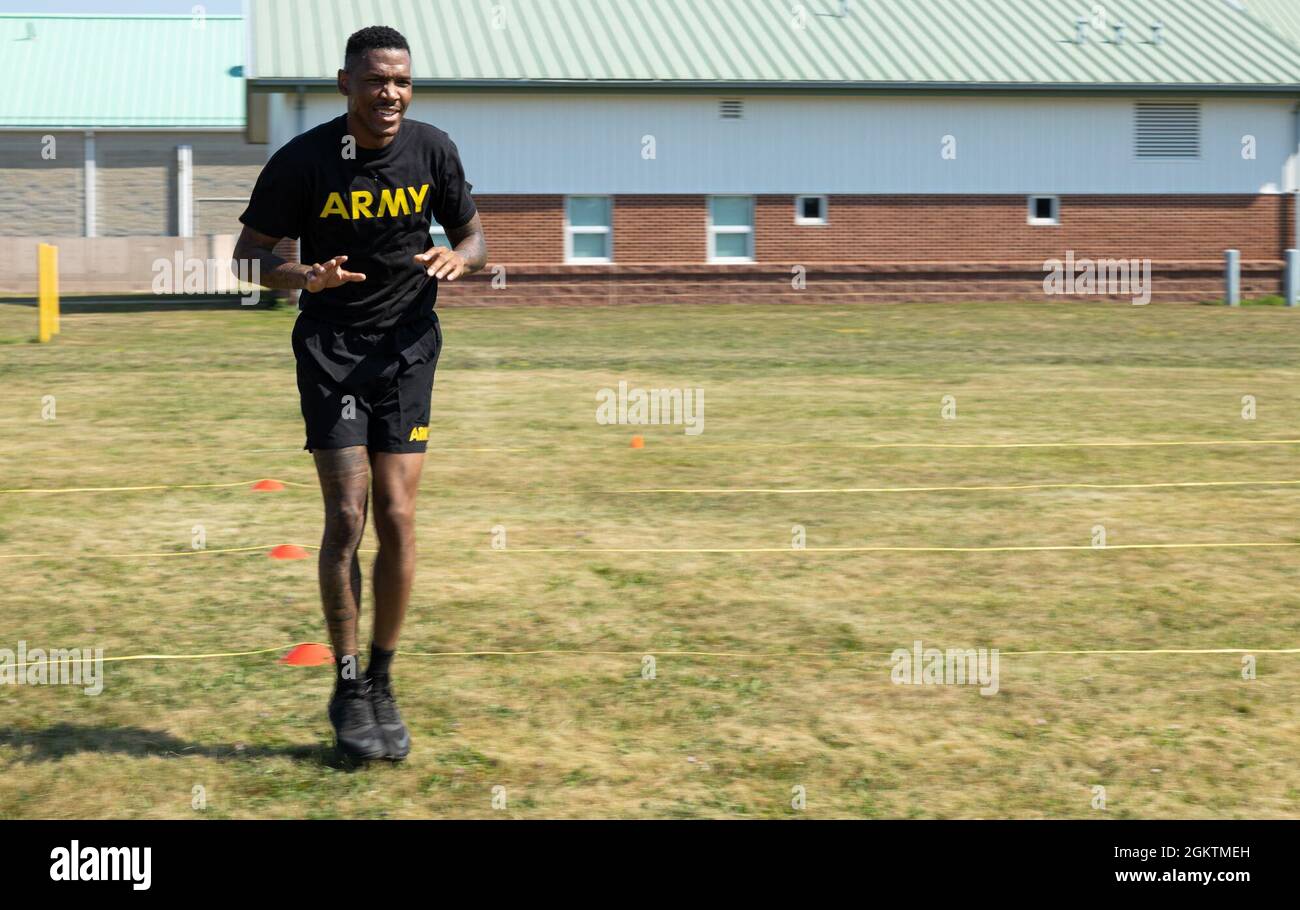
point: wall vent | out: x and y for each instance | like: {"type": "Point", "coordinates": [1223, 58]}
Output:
{"type": "Point", "coordinates": [1168, 129]}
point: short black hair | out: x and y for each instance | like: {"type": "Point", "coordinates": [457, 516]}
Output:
{"type": "Point", "coordinates": [372, 38]}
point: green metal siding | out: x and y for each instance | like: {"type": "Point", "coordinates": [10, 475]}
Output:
{"type": "Point", "coordinates": [878, 44]}
{"type": "Point", "coordinates": [1283, 15]}
{"type": "Point", "coordinates": [92, 72]}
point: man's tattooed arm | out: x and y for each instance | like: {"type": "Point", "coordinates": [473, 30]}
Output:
{"type": "Point", "coordinates": [468, 240]}
{"type": "Point", "coordinates": [278, 273]}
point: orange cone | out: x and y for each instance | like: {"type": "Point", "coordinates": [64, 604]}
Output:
{"type": "Point", "coordinates": [268, 486]}
{"type": "Point", "coordinates": [288, 551]}
{"type": "Point", "coordinates": [308, 655]}
{"type": "Point", "coordinates": [638, 442]}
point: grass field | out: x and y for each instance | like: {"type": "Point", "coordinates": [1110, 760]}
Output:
{"type": "Point", "coordinates": [798, 691]}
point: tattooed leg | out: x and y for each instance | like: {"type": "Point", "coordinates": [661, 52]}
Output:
{"type": "Point", "coordinates": [344, 482]}
{"type": "Point", "coordinates": [397, 478]}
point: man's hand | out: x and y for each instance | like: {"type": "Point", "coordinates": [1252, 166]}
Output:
{"type": "Point", "coordinates": [443, 263]}
{"type": "Point", "coordinates": [330, 275]}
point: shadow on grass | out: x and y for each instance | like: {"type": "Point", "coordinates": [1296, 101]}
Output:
{"type": "Point", "coordinates": [62, 740]}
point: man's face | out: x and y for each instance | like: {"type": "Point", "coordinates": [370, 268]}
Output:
{"type": "Point", "coordinates": [378, 90]}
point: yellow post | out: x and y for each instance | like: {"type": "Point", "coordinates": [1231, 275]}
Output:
{"type": "Point", "coordinates": [54, 288]}
{"type": "Point", "coordinates": [43, 332]}
{"type": "Point", "coordinates": [47, 306]}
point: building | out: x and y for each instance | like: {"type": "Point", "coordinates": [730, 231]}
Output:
{"type": "Point", "coordinates": [1282, 15]}
{"type": "Point", "coordinates": [935, 148]}
{"type": "Point", "coordinates": [121, 140]}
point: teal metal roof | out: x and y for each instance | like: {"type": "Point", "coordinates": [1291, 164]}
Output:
{"type": "Point", "coordinates": [91, 72]}
{"type": "Point", "coordinates": [878, 44]}
{"type": "Point", "coordinates": [1283, 15]}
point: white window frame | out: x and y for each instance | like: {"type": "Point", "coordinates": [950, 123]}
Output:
{"type": "Point", "coordinates": [715, 230]}
{"type": "Point", "coordinates": [798, 210]}
{"type": "Point", "coordinates": [1054, 221]}
{"type": "Point", "coordinates": [570, 230]}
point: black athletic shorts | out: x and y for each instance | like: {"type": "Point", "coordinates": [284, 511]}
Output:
{"type": "Point", "coordinates": [363, 388]}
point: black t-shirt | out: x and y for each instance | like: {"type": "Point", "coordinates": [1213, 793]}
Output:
{"type": "Point", "coordinates": [375, 208]}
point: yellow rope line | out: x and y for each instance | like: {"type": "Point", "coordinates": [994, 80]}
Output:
{"type": "Point", "coordinates": [653, 652]}
{"type": "Point", "coordinates": [721, 491]}
{"type": "Point", "coordinates": [992, 445]}
{"type": "Point", "coordinates": [733, 550]}
{"type": "Point", "coordinates": [161, 486]}
{"type": "Point", "coordinates": [138, 555]}
{"type": "Point", "coordinates": [824, 654]}
{"type": "Point", "coordinates": [106, 660]}
{"type": "Point", "coordinates": [759, 490]}
{"type": "Point", "coordinates": [1020, 549]}
{"type": "Point", "coordinates": [968, 489]}
{"type": "Point", "coordinates": [305, 546]}
{"type": "Point", "coordinates": [751, 445]}
{"type": "Point", "coordinates": [1161, 651]}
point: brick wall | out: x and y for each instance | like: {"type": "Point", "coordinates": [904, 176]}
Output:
{"type": "Point", "coordinates": [135, 180]}
{"type": "Point", "coordinates": [529, 229]}
{"type": "Point", "coordinates": [673, 229]}
{"type": "Point", "coordinates": [654, 229]}
{"type": "Point", "coordinates": [881, 247]}
{"type": "Point", "coordinates": [40, 195]}
{"type": "Point", "coordinates": [224, 166]}
{"type": "Point", "coordinates": [994, 228]}
{"type": "Point", "coordinates": [874, 248]}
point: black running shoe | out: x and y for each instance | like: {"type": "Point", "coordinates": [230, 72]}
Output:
{"type": "Point", "coordinates": [356, 734]}
{"type": "Point", "coordinates": [396, 738]}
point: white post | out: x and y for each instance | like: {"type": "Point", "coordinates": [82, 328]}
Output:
{"type": "Point", "coordinates": [1292, 276]}
{"type": "Point", "coordinates": [88, 178]}
{"type": "Point", "coordinates": [1295, 176]}
{"type": "Point", "coordinates": [184, 191]}
{"type": "Point", "coordinates": [1232, 277]}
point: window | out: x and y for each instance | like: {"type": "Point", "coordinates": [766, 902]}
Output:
{"type": "Point", "coordinates": [731, 229]}
{"type": "Point", "coordinates": [1044, 210]}
{"type": "Point", "coordinates": [588, 236]}
{"type": "Point", "coordinates": [1168, 129]}
{"type": "Point", "coordinates": [809, 209]}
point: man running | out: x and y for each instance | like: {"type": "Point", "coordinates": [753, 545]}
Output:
{"type": "Point", "coordinates": [361, 191]}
